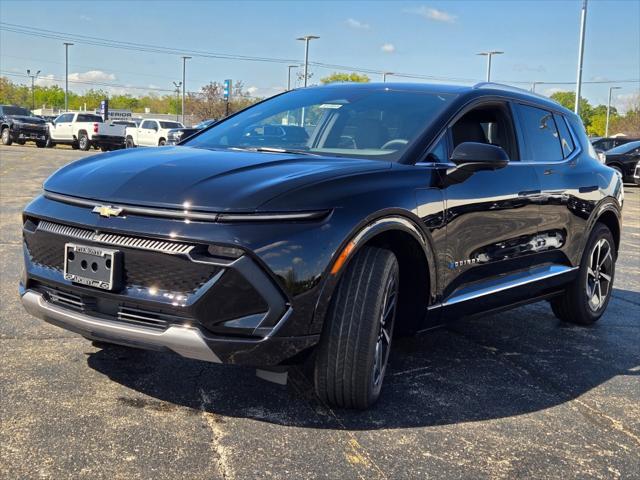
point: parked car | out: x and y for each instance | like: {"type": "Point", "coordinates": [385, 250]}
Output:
{"type": "Point", "coordinates": [18, 125]}
{"type": "Point", "coordinates": [176, 135]}
{"type": "Point", "coordinates": [607, 143]}
{"type": "Point", "coordinates": [406, 206]}
{"type": "Point", "coordinates": [85, 130]}
{"type": "Point", "coordinates": [624, 159]}
{"type": "Point", "coordinates": [150, 133]}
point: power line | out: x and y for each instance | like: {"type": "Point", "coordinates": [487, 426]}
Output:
{"type": "Point", "coordinates": [150, 48]}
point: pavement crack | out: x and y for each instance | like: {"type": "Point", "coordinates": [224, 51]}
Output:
{"type": "Point", "coordinates": [213, 422]}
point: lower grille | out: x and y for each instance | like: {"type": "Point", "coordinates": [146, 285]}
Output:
{"type": "Point", "coordinates": [145, 269]}
{"type": "Point", "coordinates": [143, 317]}
{"type": "Point", "coordinates": [66, 299]}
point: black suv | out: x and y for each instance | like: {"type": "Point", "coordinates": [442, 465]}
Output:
{"type": "Point", "coordinates": [18, 125]}
{"type": "Point", "coordinates": [394, 208]}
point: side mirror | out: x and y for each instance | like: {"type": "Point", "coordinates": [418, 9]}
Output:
{"type": "Point", "coordinates": [473, 156]}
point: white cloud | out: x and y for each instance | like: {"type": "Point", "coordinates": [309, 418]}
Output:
{"type": "Point", "coordinates": [252, 90]}
{"type": "Point", "coordinates": [92, 76]}
{"type": "Point", "coordinates": [433, 14]}
{"type": "Point", "coordinates": [388, 48]}
{"type": "Point", "coordinates": [357, 24]}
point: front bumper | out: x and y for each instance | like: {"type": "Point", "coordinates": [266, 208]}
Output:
{"type": "Point", "coordinates": [28, 133]}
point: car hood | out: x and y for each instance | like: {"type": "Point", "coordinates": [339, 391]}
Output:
{"type": "Point", "coordinates": [26, 119]}
{"type": "Point", "coordinates": [208, 180]}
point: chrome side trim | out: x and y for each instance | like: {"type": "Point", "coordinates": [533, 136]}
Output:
{"type": "Point", "coordinates": [505, 283]}
{"type": "Point", "coordinates": [145, 211]}
{"type": "Point", "coordinates": [115, 239]}
{"type": "Point", "coordinates": [185, 341]}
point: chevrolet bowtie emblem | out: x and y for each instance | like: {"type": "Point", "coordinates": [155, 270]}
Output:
{"type": "Point", "coordinates": [107, 210]}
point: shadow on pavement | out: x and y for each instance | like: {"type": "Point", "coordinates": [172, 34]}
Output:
{"type": "Point", "coordinates": [496, 366]}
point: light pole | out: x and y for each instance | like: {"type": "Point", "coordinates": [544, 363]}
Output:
{"type": "Point", "coordinates": [184, 82]}
{"type": "Point", "coordinates": [583, 24]}
{"type": "Point", "coordinates": [533, 86]}
{"type": "Point", "coordinates": [177, 85]}
{"type": "Point", "coordinates": [606, 128]}
{"type": "Point", "coordinates": [289, 76]}
{"type": "Point", "coordinates": [66, 75]}
{"type": "Point", "coordinates": [306, 40]}
{"type": "Point", "coordinates": [33, 91]}
{"type": "Point", "coordinates": [489, 54]}
{"type": "Point", "coordinates": [384, 76]}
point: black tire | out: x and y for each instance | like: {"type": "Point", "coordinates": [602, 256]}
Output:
{"type": "Point", "coordinates": [21, 142]}
{"type": "Point", "coordinates": [617, 169]}
{"type": "Point", "coordinates": [41, 143]}
{"type": "Point", "coordinates": [162, 142]}
{"type": "Point", "coordinates": [129, 143]}
{"type": "Point", "coordinates": [50, 143]}
{"type": "Point", "coordinates": [6, 136]}
{"type": "Point", "coordinates": [578, 303]}
{"type": "Point", "coordinates": [84, 143]}
{"type": "Point", "coordinates": [75, 145]}
{"type": "Point", "coordinates": [354, 348]}
{"type": "Point", "coordinates": [105, 149]}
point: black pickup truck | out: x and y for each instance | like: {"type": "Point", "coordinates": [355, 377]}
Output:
{"type": "Point", "coordinates": [18, 125]}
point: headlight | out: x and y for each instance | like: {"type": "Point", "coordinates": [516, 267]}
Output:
{"type": "Point", "coordinates": [177, 135]}
{"type": "Point", "coordinates": [602, 157]}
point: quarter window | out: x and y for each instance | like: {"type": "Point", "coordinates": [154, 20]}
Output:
{"type": "Point", "coordinates": [566, 141]}
{"type": "Point", "coordinates": [540, 134]}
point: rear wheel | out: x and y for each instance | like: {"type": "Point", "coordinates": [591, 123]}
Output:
{"type": "Point", "coordinates": [586, 299]}
{"type": "Point", "coordinates": [6, 136]}
{"type": "Point", "coordinates": [41, 143]}
{"type": "Point", "coordinates": [129, 143]}
{"type": "Point", "coordinates": [356, 340]}
{"type": "Point", "coordinates": [20, 142]}
{"type": "Point", "coordinates": [162, 142]}
{"type": "Point", "coordinates": [50, 143]}
{"type": "Point", "coordinates": [83, 142]}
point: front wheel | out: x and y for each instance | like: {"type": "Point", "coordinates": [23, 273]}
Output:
{"type": "Point", "coordinates": [354, 348]}
{"type": "Point", "coordinates": [6, 136]}
{"type": "Point", "coordinates": [41, 143]}
{"type": "Point", "coordinates": [162, 142]}
{"type": "Point", "coordinates": [587, 297]}
{"type": "Point", "coordinates": [129, 143]}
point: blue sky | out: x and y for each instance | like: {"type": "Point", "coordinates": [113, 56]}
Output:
{"type": "Point", "coordinates": [540, 40]}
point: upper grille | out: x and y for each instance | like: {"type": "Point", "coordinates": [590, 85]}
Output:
{"type": "Point", "coordinates": [147, 263]}
{"type": "Point", "coordinates": [115, 239]}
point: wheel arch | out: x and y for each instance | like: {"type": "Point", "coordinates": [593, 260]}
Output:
{"type": "Point", "coordinates": [413, 247]}
{"type": "Point", "coordinates": [607, 213]}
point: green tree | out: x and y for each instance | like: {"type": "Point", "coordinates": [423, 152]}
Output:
{"type": "Point", "coordinates": [568, 100]}
{"type": "Point", "coordinates": [345, 77]}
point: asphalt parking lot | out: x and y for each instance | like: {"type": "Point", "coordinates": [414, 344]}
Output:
{"type": "Point", "coordinates": [517, 394]}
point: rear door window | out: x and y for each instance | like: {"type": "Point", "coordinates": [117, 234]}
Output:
{"type": "Point", "coordinates": [540, 134]}
{"type": "Point", "coordinates": [566, 141]}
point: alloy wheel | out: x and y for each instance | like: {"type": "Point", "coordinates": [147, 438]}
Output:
{"type": "Point", "coordinates": [599, 274]}
{"type": "Point", "coordinates": [385, 331]}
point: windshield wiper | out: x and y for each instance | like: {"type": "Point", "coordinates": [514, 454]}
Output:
{"type": "Point", "coordinates": [273, 150]}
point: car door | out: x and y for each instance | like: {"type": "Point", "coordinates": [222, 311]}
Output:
{"type": "Point", "coordinates": [568, 193]}
{"type": "Point", "coordinates": [492, 217]}
{"type": "Point", "coordinates": [62, 127]}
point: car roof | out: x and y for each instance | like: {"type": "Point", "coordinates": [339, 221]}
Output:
{"type": "Point", "coordinates": [474, 91]}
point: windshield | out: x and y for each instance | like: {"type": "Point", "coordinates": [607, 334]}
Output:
{"type": "Point", "coordinates": [171, 125]}
{"type": "Point", "coordinates": [624, 148]}
{"type": "Point", "coordinates": [16, 111]}
{"type": "Point", "coordinates": [338, 121]}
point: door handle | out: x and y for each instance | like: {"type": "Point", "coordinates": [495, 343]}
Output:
{"type": "Point", "coordinates": [549, 171]}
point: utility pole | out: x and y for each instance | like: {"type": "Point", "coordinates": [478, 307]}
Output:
{"type": "Point", "coordinates": [583, 24]}
{"type": "Point", "coordinates": [384, 76]}
{"type": "Point", "coordinates": [533, 86]}
{"type": "Point", "coordinates": [33, 91]}
{"type": "Point", "coordinates": [306, 40]}
{"type": "Point", "coordinates": [489, 54]}
{"type": "Point", "coordinates": [606, 128]}
{"type": "Point", "coordinates": [289, 76]}
{"type": "Point", "coordinates": [184, 82]}
{"type": "Point", "coordinates": [177, 85]}
{"type": "Point", "coordinates": [66, 75]}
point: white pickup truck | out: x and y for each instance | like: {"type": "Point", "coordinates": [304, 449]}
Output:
{"type": "Point", "coordinates": [150, 133]}
{"type": "Point", "coordinates": [84, 130]}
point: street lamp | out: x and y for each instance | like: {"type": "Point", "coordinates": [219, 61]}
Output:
{"type": "Point", "coordinates": [606, 128]}
{"type": "Point", "coordinates": [33, 91]}
{"type": "Point", "coordinates": [66, 75]}
{"type": "Point", "coordinates": [177, 85]}
{"type": "Point", "coordinates": [489, 54]}
{"type": "Point", "coordinates": [184, 83]}
{"type": "Point", "coordinates": [306, 40]}
{"type": "Point", "coordinates": [583, 24]}
{"type": "Point", "coordinates": [384, 76]}
{"type": "Point", "coordinates": [289, 67]}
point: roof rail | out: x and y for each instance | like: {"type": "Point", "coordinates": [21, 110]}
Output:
{"type": "Point", "coordinates": [510, 88]}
